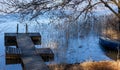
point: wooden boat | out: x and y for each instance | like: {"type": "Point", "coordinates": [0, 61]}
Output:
{"type": "Point", "coordinates": [109, 43]}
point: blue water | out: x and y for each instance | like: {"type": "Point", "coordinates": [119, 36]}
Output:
{"type": "Point", "coordinates": [14, 67]}
{"type": "Point", "coordinates": [66, 50]}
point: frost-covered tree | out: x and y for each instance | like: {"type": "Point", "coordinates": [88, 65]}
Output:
{"type": "Point", "coordinates": [37, 7]}
{"type": "Point", "coordinates": [34, 8]}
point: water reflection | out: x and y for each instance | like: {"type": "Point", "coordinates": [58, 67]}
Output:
{"type": "Point", "coordinates": [113, 54]}
{"type": "Point", "coordinates": [14, 67]}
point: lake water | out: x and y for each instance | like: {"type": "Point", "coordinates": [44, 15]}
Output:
{"type": "Point", "coordinates": [67, 41]}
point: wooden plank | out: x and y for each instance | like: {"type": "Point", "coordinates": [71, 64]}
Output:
{"type": "Point", "coordinates": [34, 63]}
{"type": "Point", "coordinates": [12, 55]}
{"type": "Point", "coordinates": [24, 42]}
{"type": "Point", "coordinates": [11, 34]}
{"type": "Point", "coordinates": [10, 50]}
{"type": "Point", "coordinates": [13, 61]}
{"type": "Point", "coordinates": [36, 38]}
{"type": "Point", "coordinates": [10, 38]}
{"type": "Point", "coordinates": [15, 34]}
{"type": "Point", "coordinates": [29, 59]}
{"type": "Point", "coordinates": [46, 54]}
{"type": "Point", "coordinates": [34, 34]}
{"type": "Point", "coordinates": [44, 51]}
{"type": "Point", "coordinates": [10, 41]}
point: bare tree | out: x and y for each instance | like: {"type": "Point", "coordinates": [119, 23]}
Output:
{"type": "Point", "coordinates": [37, 7]}
{"type": "Point", "coordinates": [34, 8]}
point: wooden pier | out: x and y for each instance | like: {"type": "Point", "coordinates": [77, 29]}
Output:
{"type": "Point", "coordinates": [31, 58]}
{"type": "Point", "coordinates": [10, 38]}
{"type": "Point", "coordinates": [13, 55]}
{"type": "Point", "coordinates": [10, 50]}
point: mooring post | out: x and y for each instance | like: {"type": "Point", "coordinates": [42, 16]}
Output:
{"type": "Point", "coordinates": [26, 28]}
{"type": "Point", "coordinates": [17, 28]}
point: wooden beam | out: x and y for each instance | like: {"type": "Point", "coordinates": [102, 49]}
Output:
{"type": "Point", "coordinates": [29, 59]}
{"type": "Point", "coordinates": [10, 38]}
{"type": "Point", "coordinates": [13, 51]}
{"type": "Point", "coordinates": [45, 53]}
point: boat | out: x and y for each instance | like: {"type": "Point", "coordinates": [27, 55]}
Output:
{"type": "Point", "coordinates": [108, 43]}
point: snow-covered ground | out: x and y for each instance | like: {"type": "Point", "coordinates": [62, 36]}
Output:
{"type": "Point", "coordinates": [62, 39]}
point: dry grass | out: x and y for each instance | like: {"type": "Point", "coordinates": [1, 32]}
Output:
{"type": "Point", "coordinates": [102, 65]}
{"type": "Point", "coordinates": [111, 28]}
{"type": "Point", "coordinates": [112, 34]}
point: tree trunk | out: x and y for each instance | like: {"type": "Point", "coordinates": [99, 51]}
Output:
{"type": "Point", "coordinates": [119, 19]}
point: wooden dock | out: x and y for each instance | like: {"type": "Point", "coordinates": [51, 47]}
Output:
{"type": "Point", "coordinates": [31, 58]}
{"type": "Point", "coordinates": [10, 50]}
{"type": "Point", "coordinates": [13, 55]}
{"type": "Point", "coordinates": [45, 53]}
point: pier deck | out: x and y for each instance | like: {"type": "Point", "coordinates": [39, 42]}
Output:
{"type": "Point", "coordinates": [31, 58]}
